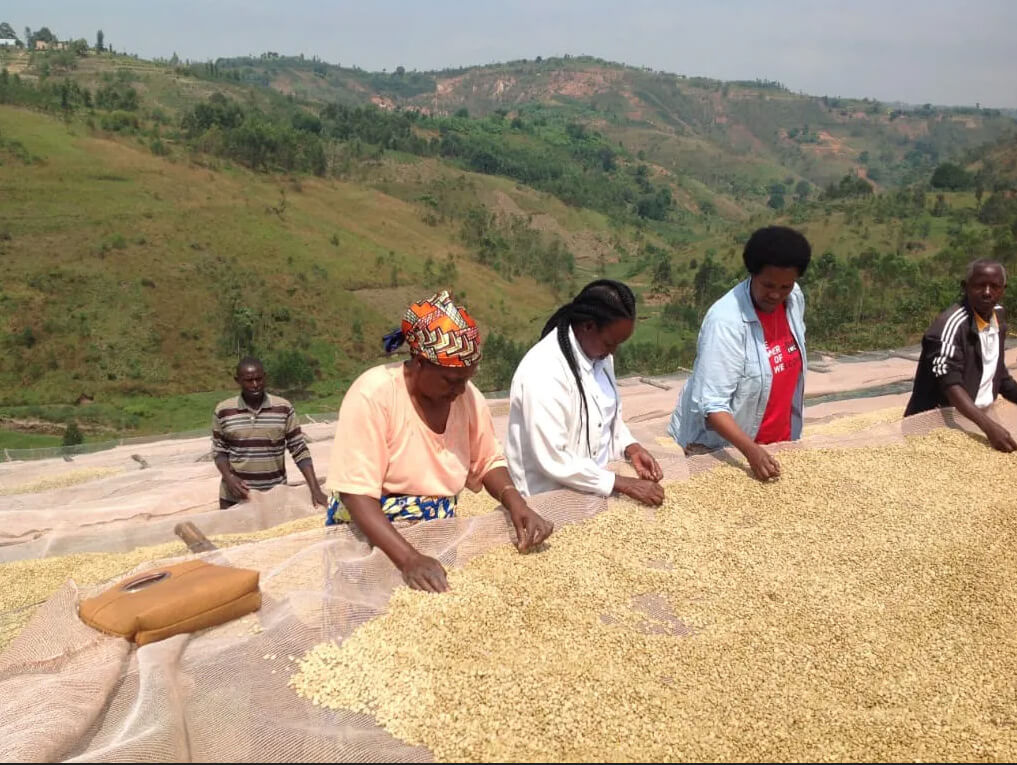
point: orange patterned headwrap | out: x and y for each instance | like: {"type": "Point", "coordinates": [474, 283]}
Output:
{"type": "Point", "coordinates": [440, 331]}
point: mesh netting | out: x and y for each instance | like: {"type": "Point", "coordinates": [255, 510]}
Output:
{"type": "Point", "coordinates": [108, 501]}
{"type": "Point", "coordinates": [68, 692]}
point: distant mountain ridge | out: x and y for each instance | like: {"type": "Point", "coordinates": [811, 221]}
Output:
{"type": "Point", "coordinates": [668, 116]}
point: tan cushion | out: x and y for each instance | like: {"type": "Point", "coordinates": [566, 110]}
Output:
{"type": "Point", "coordinates": [184, 597]}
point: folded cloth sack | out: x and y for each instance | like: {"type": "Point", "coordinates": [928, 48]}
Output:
{"type": "Point", "coordinates": [184, 597]}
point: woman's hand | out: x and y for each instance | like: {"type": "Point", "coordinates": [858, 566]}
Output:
{"type": "Point", "coordinates": [764, 465]}
{"type": "Point", "coordinates": [531, 528]}
{"type": "Point", "coordinates": [644, 463]}
{"type": "Point", "coordinates": [421, 572]}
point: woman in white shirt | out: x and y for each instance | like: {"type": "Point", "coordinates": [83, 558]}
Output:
{"type": "Point", "coordinates": [565, 422]}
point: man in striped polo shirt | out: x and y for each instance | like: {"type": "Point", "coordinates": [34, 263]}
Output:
{"type": "Point", "coordinates": [250, 435]}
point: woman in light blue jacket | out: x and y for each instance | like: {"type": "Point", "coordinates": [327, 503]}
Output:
{"type": "Point", "coordinates": [748, 382]}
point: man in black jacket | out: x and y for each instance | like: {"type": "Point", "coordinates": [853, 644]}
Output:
{"type": "Point", "coordinates": [962, 361]}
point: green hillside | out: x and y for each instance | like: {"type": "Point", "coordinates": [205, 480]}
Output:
{"type": "Point", "coordinates": [128, 267]}
{"type": "Point", "coordinates": [157, 220]}
{"type": "Point", "coordinates": [724, 134]}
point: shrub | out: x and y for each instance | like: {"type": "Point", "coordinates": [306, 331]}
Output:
{"type": "Point", "coordinates": [25, 338]}
{"type": "Point", "coordinates": [72, 434]}
{"type": "Point", "coordinates": [952, 177]}
{"type": "Point", "coordinates": [119, 122]}
{"type": "Point", "coordinates": [290, 369]}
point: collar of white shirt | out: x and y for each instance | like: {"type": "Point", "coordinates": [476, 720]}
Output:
{"type": "Point", "coordinates": [586, 364]}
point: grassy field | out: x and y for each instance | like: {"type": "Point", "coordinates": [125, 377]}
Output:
{"type": "Point", "coordinates": [141, 415]}
{"type": "Point", "coordinates": [119, 262]}
{"type": "Point", "coordinates": [123, 269]}
{"type": "Point", "coordinates": [12, 439]}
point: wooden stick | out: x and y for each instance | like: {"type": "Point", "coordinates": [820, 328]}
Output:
{"type": "Point", "coordinates": [191, 535]}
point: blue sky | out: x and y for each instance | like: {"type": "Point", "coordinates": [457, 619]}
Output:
{"type": "Point", "coordinates": [939, 51]}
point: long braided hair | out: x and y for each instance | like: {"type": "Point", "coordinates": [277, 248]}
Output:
{"type": "Point", "coordinates": [601, 302]}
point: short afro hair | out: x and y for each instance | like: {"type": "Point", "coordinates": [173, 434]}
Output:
{"type": "Point", "coordinates": [778, 246]}
{"type": "Point", "coordinates": [246, 362]}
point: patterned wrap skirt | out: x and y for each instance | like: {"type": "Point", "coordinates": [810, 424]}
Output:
{"type": "Point", "coordinates": [398, 507]}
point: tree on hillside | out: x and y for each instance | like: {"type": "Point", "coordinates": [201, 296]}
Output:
{"type": "Point", "coordinates": [98, 41]}
{"type": "Point", "coordinates": [290, 369]}
{"type": "Point", "coordinates": [951, 177]}
{"type": "Point", "coordinates": [997, 209]}
{"type": "Point", "coordinates": [776, 200]}
{"type": "Point", "coordinates": [62, 60]}
{"type": "Point", "coordinates": [850, 185]}
{"type": "Point", "coordinates": [72, 434]}
{"type": "Point", "coordinates": [642, 176]}
{"type": "Point", "coordinates": [117, 97]}
{"type": "Point", "coordinates": [654, 206]}
{"type": "Point", "coordinates": [710, 282]}
{"type": "Point", "coordinates": [7, 32]}
{"type": "Point", "coordinates": [679, 313]}
{"type": "Point", "coordinates": [218, 110]}
{"type": "Point", "coordinates": [307, 122]}
{"type": "Point", "coordinates": [662, 271]}
{"type": "Point", "coordinates": [45, 35]}
{"type": "Point", "coordinates": [28, 37]}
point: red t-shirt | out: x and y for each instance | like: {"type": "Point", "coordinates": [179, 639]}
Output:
{"type": "Point", "coordinates": [786, 365]}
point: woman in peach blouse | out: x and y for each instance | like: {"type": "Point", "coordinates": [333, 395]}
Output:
{"type": "Point", "coordinates": [411, 436]}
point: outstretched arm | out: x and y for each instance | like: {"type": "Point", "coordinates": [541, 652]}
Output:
{"type": "Point", "coordinates": [531, 528]}
{"type": "Point", "coordinates": [419, 571]}
{"type": "Point", "coordinates": [318, 497]}
{"type": "Point", "coordinates": [998, 436]}
{"type": "Point", "coordinates": [237, 487]}
{"type": "Point", "coordinates": [764, 465]}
